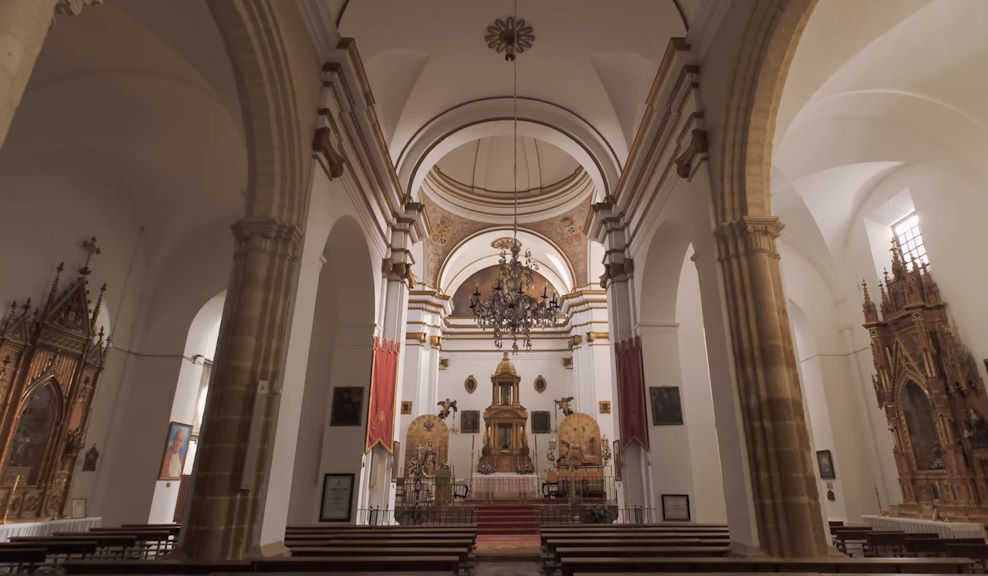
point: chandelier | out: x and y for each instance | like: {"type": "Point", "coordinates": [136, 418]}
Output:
{"type": "Point", "coordinates": [510, 311]}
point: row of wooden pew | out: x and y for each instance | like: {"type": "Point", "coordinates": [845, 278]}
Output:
{"type": "Point", "coordinates": [434, 550]}
{"type": "Point", "coordinates": [25, 554]}
{"type": "Point", "coordinates": [664, 548]}
{"type": "Point", "coordinates": [865, 541]}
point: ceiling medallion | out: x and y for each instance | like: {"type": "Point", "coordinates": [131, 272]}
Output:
{"type": "Point", "coordinates": [505, 243]}
{"type": "Point", "coordinates": [510, 36]}
{"type": "Point", "coordinates": [510, 311]}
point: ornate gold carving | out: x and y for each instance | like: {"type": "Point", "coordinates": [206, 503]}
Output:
{"type": "Point", "coordinates": [443, 363]}
{"type": "Point", "coordinates": [436, 342]}
{"type": "Point", "coordinates": [322, 145]}
{"type": "Point", "coordinates": [419, 337]}
{"type": "Point", "coordinates": [568, 362]}
{"type": "Point", "coordinates": [505, 243]}
{"type": "Point", "coordinates": [575, 340]}
{"type": "Point", "coordinates": [398, 271]}
{"type": "Point", "coordinates": [592, 336]}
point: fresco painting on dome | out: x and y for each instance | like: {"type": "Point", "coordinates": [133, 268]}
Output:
{"type": "Point", "coordinates": [485, 280]}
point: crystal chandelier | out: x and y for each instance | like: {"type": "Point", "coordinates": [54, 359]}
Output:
{"type": "Point", "coordinates": [510, 311]}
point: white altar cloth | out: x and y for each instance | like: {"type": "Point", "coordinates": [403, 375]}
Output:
{"type": "Point", "coordinates": [47, 527]}
{"type": "Point", "coordinates": [943, 529]}
{"type": "Point", "coordinates": [505, 485]}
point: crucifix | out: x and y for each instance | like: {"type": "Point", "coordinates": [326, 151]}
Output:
{"type": "Point", "coordinates": [92, 249]}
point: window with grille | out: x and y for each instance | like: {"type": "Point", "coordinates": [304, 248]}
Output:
{"type": "Point", "coordinates": [910, 240]}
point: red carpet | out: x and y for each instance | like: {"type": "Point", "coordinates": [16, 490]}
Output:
{"type": "Point", "coordinates": [507, 546]}
{"type": "Point", "coordinates": [507, 518]}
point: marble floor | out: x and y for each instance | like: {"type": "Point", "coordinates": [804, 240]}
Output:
{"type": "Point", "coordinates": [505, 568]}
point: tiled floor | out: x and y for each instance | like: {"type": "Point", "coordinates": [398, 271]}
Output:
{"type": "Point", "coordinates": [523, 568]}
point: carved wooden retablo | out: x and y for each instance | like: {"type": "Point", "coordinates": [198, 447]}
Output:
{"type": "Point", "coordinates": [505, 441]}
{"type": "Point", "coordinates": [51, 357]}
{"type": "Point", "coordinates": [579, 442]}
{"type": "Point", "coordinates": [426, 446]}
{"type": "Point", "coordinates": [933, 397]}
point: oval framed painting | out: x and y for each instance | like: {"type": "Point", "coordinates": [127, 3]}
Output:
{"type": "Point", "coordinates": [540, 384]}
{"type": "Point", "coordinates": [470, 384]}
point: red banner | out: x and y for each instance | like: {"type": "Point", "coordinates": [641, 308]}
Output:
{"type": "Point", "coordinates": [381, 406]}
{"type": "Point", "coordinates": [631, 392]}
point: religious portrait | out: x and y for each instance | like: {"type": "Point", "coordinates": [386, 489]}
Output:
{"type": "Point", "coordinates": [347, 404]}
{"type": "Point", "coordinates": [337, 498]}
{"type": "Point", "coordinates": [406, 406]}
{"type": "Point", "coordinates": [89, 461]}
{"type": "Point", "coordinates": [540, 422]}
{"type": "Point", "coordinates": [666, 407]}
{"type": "Point", "coordinates": [540, 385]}
{"type": "Point", "coordinates": [604, 407]}
{"type": "Point", "coordinates": [826, 463]}
{"type": "Point", "coordinates": [470, 421]}
{"type": "Point", "coordinates": [470, 384]}
{"type": "Point", "coordinates": [176, 448]}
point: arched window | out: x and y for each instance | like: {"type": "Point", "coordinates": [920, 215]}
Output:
{"type": "Point", "coordinates": [922, 430]}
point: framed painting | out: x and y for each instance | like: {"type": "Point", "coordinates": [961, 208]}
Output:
{"type": "Point", "coordinates": [337, 498]}
{"type": "Point", "coordinates": [347, 403]}
{"type": "Point", "coordinates": [825, 461]}
{"type": "Point", "coordinates": [540, 422]}
{"type": "Point", "coordinates": [666, 407]}
{"type": "Point", "coordinates": [470, 384]}
{"type": "Point", "coordinates": [176, 448]}
{"type": "Point", "coordinates": [470, 421]}
{"type": "Point", "coordinates": [676, 507]}
{"type": "Point", "coordinates": [406, 406]}
{"type": "Point", "coordinates": [604, 407]}
{"type": "Point", "coordinates": [540, 384]}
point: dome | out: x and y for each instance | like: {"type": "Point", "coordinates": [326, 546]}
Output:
{"type": "Point", "coordinates": [505, 367]}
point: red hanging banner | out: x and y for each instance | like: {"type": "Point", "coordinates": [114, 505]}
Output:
{"type": "Point", "coordinates": [631, 392]}
{"type": "Point", "coordinates": [381, 406]}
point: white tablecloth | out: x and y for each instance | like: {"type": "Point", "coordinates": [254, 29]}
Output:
{"type": "Point", "coordinates": [943, 529]}
{"type": "Point", "coordinates": [505, 485]}
{"type": "Point", "coordinates": [7, 531]}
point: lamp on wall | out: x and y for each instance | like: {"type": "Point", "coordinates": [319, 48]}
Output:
{"type": "Point", "coordinates": [510, 311]}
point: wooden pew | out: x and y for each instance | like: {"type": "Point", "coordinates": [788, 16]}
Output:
{"type": "Point", "coordinates": [21, 559]}
{"type": "Point", "coordinates": [155, 567]}
{"type": "Point", "coordinates": [447, 564]}
{"type": "Point", "coordinates": [890, 544]}
{"type": "Point", "coordinates": [614, 566]}
{"type": "Point", "coordinates": [151, 542]}
{"type": "Point", "coordinates": [552, 547]}
{"type": "Point", "coordinates": [109, 545]}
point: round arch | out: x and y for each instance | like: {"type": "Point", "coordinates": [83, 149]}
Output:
{"type": "Point", "coordinates": [659, 286]}
{"type": "Point", "coordinates": [493, 117]}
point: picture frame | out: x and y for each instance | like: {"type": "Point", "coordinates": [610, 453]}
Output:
{"type": "Point", "coordinates": [470, 421]}
{"type": "Point", "coordinates": [348, 403]}
{"type": "Point", "coordinates": [540, 384]}
{"type": "Point", "coordinates": [541, 423]}
{"type": "Point", "coordinates": [604, 407]}
{"type": "Point", "coordinates": [667, 408]}
{"type": "Point", "coordinates": [176, 449]}
{"type": "Point", "coordinates": [676, 507]}
{"type": "Point", "coordinates": [470, 384]}
{"type": "Point", "coordinates": [406, 406]}
{"type": "Point", "coordinates": [77, 508]}
{"type": "Point", "coordinates": [337, 498]}
{"type": "Point", "coordinates": [825, 462]}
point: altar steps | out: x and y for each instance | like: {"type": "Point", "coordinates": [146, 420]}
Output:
{"type": "Point", "coordinates": [507, 519]}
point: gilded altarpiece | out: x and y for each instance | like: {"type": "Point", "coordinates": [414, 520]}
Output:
{"type": "Point", "coordinates": [927, 383]}
{"type": "Point", "coordinates": [505, 441]}
{"type": "Point", "coordinates": [51, 357]}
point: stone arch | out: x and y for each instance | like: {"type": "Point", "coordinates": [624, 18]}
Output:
{"type": "Point", "coordinates": [276, 153]}
{"type": "Point", "coordinates": [660, 274]}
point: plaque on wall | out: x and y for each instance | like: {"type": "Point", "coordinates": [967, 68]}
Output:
{"type": "Point", "coordinates": [676, 507]}
{"type": "Point", "coordinates": [337, 497]}
{"type": "Point", "coordinates": [347, 402]}
{"type": "Point", "coordinates": [406, 406]}
{"type": "Point", "coordinates": [540, 422]}
{"type": "Point", "coordinates": [78, 508]}
{"type": "Point", "coordinates": [470, 421]}
{"type": "Point", "coordinates": [666, 407]}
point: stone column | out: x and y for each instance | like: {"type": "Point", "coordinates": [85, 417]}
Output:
{"type": "Point", "coordinates": [397, 271]}
{"type": "Point", "coordinates": [231, 472]}
{"type": "Point", "coordinates": [618, 280]}
{"type": "Point", "coordinates": [780, 454]}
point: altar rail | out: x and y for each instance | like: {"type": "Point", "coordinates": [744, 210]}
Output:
{"type": "Point", "coordinates": [417, 516]}
{"type": "Point", "coordinates": [597, 514]}
{"type": "Point", "coordinates": [918, 525]}
{"type": "Point", "coordinates": [47, 527]}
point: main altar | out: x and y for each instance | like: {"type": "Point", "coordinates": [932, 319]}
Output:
{"type": "Point", "coordinates": [505, 441]}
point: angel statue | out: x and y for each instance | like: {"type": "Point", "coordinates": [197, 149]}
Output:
{"type": "Point", "coordinates": [563, 404]}
{"type": "Point", "coordinates": [446, 406]}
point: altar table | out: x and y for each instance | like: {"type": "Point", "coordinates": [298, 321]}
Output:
{"type": "Point", "coordinates": [47, 527]}
{"type": "Point", "coordinates": [505, 485]}
{"type": "Point", "coordinates": [918, 525]}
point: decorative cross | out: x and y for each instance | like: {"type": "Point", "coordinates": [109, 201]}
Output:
{"type": "Point", "coordinates": [92, 249]}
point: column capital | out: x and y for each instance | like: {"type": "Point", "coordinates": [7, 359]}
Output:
{"type": "Point", "coordinates": [617, 268]}
{"type": "Point", "coordinates": [326, 153]}
{"type": "Point", "coordinates": [267, 235]}
{"type": "Point", "coordinates": [749, 234]}
{"type": "Point", "coordinates": [398, 271]}
{"type": "Point", "coordinates": [73, 7]}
